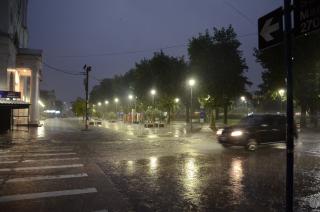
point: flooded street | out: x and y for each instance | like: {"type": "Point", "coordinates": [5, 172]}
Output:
{"type": "Point", "coordinates": [163, 173]}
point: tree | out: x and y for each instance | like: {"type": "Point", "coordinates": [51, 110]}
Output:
{"type": "Point", "coordinates": [164, 73]}
{"type": "Point", "coordinates": [220, 66]}
{"type": "Point", "coordinates": [79, 107]}
{"type": "Point", "coordinates": [305, 69]}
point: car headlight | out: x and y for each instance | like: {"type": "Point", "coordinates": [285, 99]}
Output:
{"type": "Point", "coordinates": [237, 133]}
{"type": "Point", "coordinates": [219, 131]}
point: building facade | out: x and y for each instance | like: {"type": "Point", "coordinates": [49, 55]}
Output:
{"type": "Point", "coordinates": [20, 67]}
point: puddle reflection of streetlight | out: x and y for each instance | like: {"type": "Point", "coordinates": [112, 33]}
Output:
{"type": "Point", "coordinates": [176, 133]}
{"type": "Point", "coordinates": [236, 175]}
{"type": "Point", "coordinates": [40, 132]}
{"type": "Point", "coordinates": [190, 180]}
{"type": "Point", "coordinates": [153, 164]}
{"type": "Point", "coordinates": [130, 166]}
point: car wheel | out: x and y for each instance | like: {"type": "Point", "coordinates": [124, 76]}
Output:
{"type": "Point", "coordinates": [252, 145]}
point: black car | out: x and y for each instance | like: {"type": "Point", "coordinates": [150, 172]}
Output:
{"type": "Point", "coordinates": [255, 129]}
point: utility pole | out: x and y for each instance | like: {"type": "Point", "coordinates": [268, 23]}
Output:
{"type": "Point", "coordinates": [87, 69]}
{"type": "Point", "coordinates": [290, 146]}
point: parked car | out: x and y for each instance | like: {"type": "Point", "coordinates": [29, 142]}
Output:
{"type": "Point", "coordinates": [254, 130]}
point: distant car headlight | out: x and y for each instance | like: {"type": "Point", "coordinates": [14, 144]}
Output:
{"type": "Point", "coordinates": [219, 131]}
{"type": "Point", "coordinates": [237, 133]}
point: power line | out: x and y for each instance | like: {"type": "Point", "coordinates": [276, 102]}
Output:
{"type": "Point", "coordinates": [136, 51]}
{"type": "Point", "coordinates": [61, 70]}
{"type": "Point", "coordinates": [68, 72]}
{"type": "Point", "coordinates": [122, 53]}
{"type": "Point", "coordinates": [239, 12]}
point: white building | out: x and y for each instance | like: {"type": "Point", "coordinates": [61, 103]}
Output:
{"type": "Point", "coordinates": [20, 67]}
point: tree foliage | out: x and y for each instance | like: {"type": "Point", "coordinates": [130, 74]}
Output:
{"type": "Point", "coordinates": [79, 107]}
{"type": "Point", "coordinates": [218, 62]}
{"type": "Point", "coordinates": [305, 69]}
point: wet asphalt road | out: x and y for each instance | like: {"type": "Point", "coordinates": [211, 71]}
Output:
{"type": "Point", "coordinates": [61, 168]}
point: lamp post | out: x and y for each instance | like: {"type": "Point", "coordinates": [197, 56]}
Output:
{"type": "Point", "coordinates": [281, 93]}
{"type": "Point", "coordinates": [191, 83]}
{"type": "Point", "coordinates": [116, 100]}
{"type": "Point", "coordinates": [244, 101]}
{"type": "Point", "coordinates": [106, 102]}
{"type": "Point", "coordinates": [153, 93]}
{"type": "Point", "coordinates": [130, 97]}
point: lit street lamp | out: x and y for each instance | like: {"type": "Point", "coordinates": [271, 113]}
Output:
{"type": "Point", "coordinates": [244, 101]}
{"type": "Point", "coordinates": [281, 93]}
{"type": "Point", "coordinates": [116, 100]}
{"type": "Point", "coordinates": [153, 93]}
{"type": "Point", "coordinates": [106, 102]}
{"type": "Point", "coordinates": [99, 104]}
{"type": "Point", "coordinates": [130, 97]}
{"type": "Point", "coordinates": [176, 100]}
{"type": "Point", "coordinates": [191, 83]}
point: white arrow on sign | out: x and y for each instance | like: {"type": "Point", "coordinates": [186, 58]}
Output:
{"type": "Point", "coordinates": [267, 29]}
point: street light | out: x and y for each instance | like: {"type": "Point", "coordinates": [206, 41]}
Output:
{"type": "Point", "coordinates": [99, 104]}
{"type": "Point", "coordinates": [244, 101]}
{"type": "Point", "coordinates": [281, 93]}
{"type": "Point", "coordinates": [191, 83]}
{"type": "Point", "coordinates": [153, 93]}
{"type": "Point", "coordinates": [106, 102]}
{"type": "Point", "coordinates": [176, 100]}
{"type": "Point", "coordinates": [116, 100]}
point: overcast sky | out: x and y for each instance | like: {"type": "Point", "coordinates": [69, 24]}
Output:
{"type": "Point", "coordinates": [91, 28]}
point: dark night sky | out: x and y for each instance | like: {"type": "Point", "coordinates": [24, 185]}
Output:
{"type": "Point", "coordinates": [89, 27]}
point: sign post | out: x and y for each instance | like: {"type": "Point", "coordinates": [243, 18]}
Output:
{"type": "Point", "coordinates": [290, 146]}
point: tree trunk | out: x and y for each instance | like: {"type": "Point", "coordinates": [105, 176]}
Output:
{"type": "Point", "coordinates": [212, 121]}
{"type": "Point", "coordinates": [225, 114]}
{"type": "Point", "coordinates": [187, 113]}
{"type": "Point", "coordinates": [313, 114]}
{"type": "Point", "coordinates": [217, 113]}
{"type": "Point", "coordinates": [303, 120]}
{"type": "Point", "coordinates": [169, 115]}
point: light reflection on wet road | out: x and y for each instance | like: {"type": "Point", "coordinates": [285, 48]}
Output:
{"type": "Point", "coordinates": [193, 173]}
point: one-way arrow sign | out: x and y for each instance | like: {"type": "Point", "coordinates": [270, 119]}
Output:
{"type": "Point", "coordinates": [270, 29]}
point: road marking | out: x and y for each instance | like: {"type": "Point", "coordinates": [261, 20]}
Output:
{"type": "Point", "coordinates": [37, 151]}
{"type": "Point", "coordinates": [40, 167]}
{"type": "Point", "coordinates": [8, 161]}
{"type": "Point", "coordinates": [49, 154]}
{"type": "Point", "coordinates": [51, 159]}
{"type": "Point", "coordinates": [46, 177]}
{"type": "Point", "coordinates": [10, 198]}
{"type": "Point", "coordinates": [39, 154]}
{"type": "Point", "coordinates": [10, 156]}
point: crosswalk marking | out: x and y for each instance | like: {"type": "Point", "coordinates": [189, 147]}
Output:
{"type": "Point", "coordinates": [8, 161]}
{"type": "Point", "coordinates": [29, 196]}
{"type": "Point", "coordinates": [45, 177]}
{"type": "Point", "coordinates": [38, 154]}
{"type": "Point", "coordinates": [51, 159]}
{"type": "Point", "coordinates": [36, 151]}
{"type": "Point", "coordinates": [50, 154]}
{"type": "Point", "coordinates": [10, 156]}
{"type": "Point", "coordinates": [40, 167]}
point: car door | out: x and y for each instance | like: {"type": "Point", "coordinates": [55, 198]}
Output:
{"type": "Point", "coordinates": [264, 131]}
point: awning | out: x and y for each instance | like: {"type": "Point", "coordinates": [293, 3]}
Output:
{"type": "Point", "coordinates": [13, 104]}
